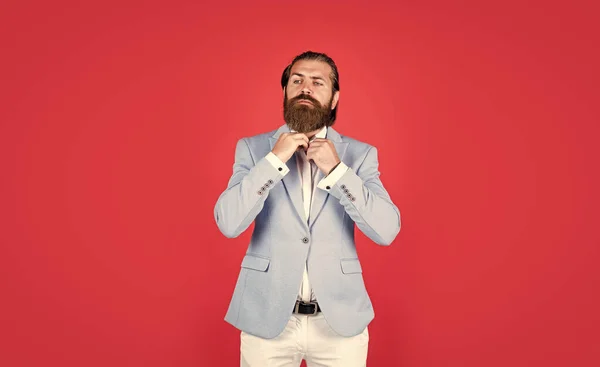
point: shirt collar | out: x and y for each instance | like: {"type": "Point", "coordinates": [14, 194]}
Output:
{"type": "Point", "coordinates": [321, 134]}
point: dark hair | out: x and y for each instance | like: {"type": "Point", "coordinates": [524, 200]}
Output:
{"type": "Point", "coordinates": [317, 56]}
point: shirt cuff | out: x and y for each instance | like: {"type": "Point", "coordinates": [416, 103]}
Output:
{"type": "Point", "coordinates": [277, 163]}
{"type": "Point", "coordinates": [333, 177]}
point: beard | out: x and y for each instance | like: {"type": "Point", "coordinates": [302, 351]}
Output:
{"type": "Point", "coordinates": [304, 118]}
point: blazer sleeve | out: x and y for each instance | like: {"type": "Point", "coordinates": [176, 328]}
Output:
{"type": "Point", "coordinates": [367, 202]}
{"type": "Point", "coordinates": [246, 191]}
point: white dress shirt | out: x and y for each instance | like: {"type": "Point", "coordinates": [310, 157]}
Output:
{"type": "Point", "coordinates": [307, 171]}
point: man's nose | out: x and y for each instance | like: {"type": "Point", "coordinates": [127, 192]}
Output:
{"type": "Point", "coordinates": [306, 89]}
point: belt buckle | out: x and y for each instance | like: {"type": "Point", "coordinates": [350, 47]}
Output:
{"type": "Point", "coordinates": [316, 307]}
{"type": "Point", "coordinates": [297, 306]}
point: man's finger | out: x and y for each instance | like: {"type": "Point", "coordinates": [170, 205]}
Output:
{"type": "Point", "coordinates": [311, 152]}
{"type": "Point", "coordinates": [321, 141]}
{"type": "Point", "coordinates": [317, 144]}
{"type": "Point", "coordinates": [300, 136]}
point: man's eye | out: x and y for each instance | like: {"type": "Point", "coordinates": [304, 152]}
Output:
{"type": "Point", "coordinates": [318, 83]}
{"type": "Point", "coordinates": [296, 81]}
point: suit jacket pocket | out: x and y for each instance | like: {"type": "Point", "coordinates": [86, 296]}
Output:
{"type": "Point", "coordinates": [255, 263]}
{"type": "Point", "coordinates": [350, 266]}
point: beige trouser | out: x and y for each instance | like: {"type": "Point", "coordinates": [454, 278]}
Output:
{"type": "Point", "coordinates": [307, 337]}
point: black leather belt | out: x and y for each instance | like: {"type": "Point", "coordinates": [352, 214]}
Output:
{"type": "Point", "coordinates": [310, 308]}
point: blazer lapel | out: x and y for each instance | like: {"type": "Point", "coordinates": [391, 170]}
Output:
{"type": "Point", "coordinates": [291, 181]}
{"type": "Point", "coordinates": [320, 196]}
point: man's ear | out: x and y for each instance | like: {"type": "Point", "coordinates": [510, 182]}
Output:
{"type": "Point", "coordinates": [336, 97]}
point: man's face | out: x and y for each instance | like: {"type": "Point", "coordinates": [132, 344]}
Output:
{"type": "Point", "coordinates": [308, 97]}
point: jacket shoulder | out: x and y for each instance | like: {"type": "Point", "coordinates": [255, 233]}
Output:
{"type": "Point", "coordinates": [256, 144]}
{"type": "Point", "coordinates": [355, 145]}
{"type": "Point", "coordinates": [261, 137]}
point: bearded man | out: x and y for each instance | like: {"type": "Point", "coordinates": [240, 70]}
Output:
{"type": "Point", "coordinates": [300, 293]}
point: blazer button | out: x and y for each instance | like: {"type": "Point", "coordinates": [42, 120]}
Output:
{"type": "Point", "coordinates": [305, 240]}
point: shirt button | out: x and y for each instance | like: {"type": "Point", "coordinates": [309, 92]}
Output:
{"type": "Point", "coordinates": [281, 169]}
{"type": "Point", "coordinates": [305, 240]}
{"type": "Point", "coordinates": [328, 187]}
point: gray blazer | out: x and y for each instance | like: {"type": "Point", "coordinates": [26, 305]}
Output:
{"type": "Point", "coordinates": [281, 242]}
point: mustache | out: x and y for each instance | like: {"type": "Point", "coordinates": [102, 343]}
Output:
{"type": "Point", "coordinates": [305, 97]}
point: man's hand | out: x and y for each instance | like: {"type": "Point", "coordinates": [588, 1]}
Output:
{"type": "Point", "coordinates": [288, 143]}
{"type": "Point", "coordinates": [323, 153]}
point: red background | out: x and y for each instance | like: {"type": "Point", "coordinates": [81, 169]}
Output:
{"type": "Point", "coordinates": [118, 124]}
